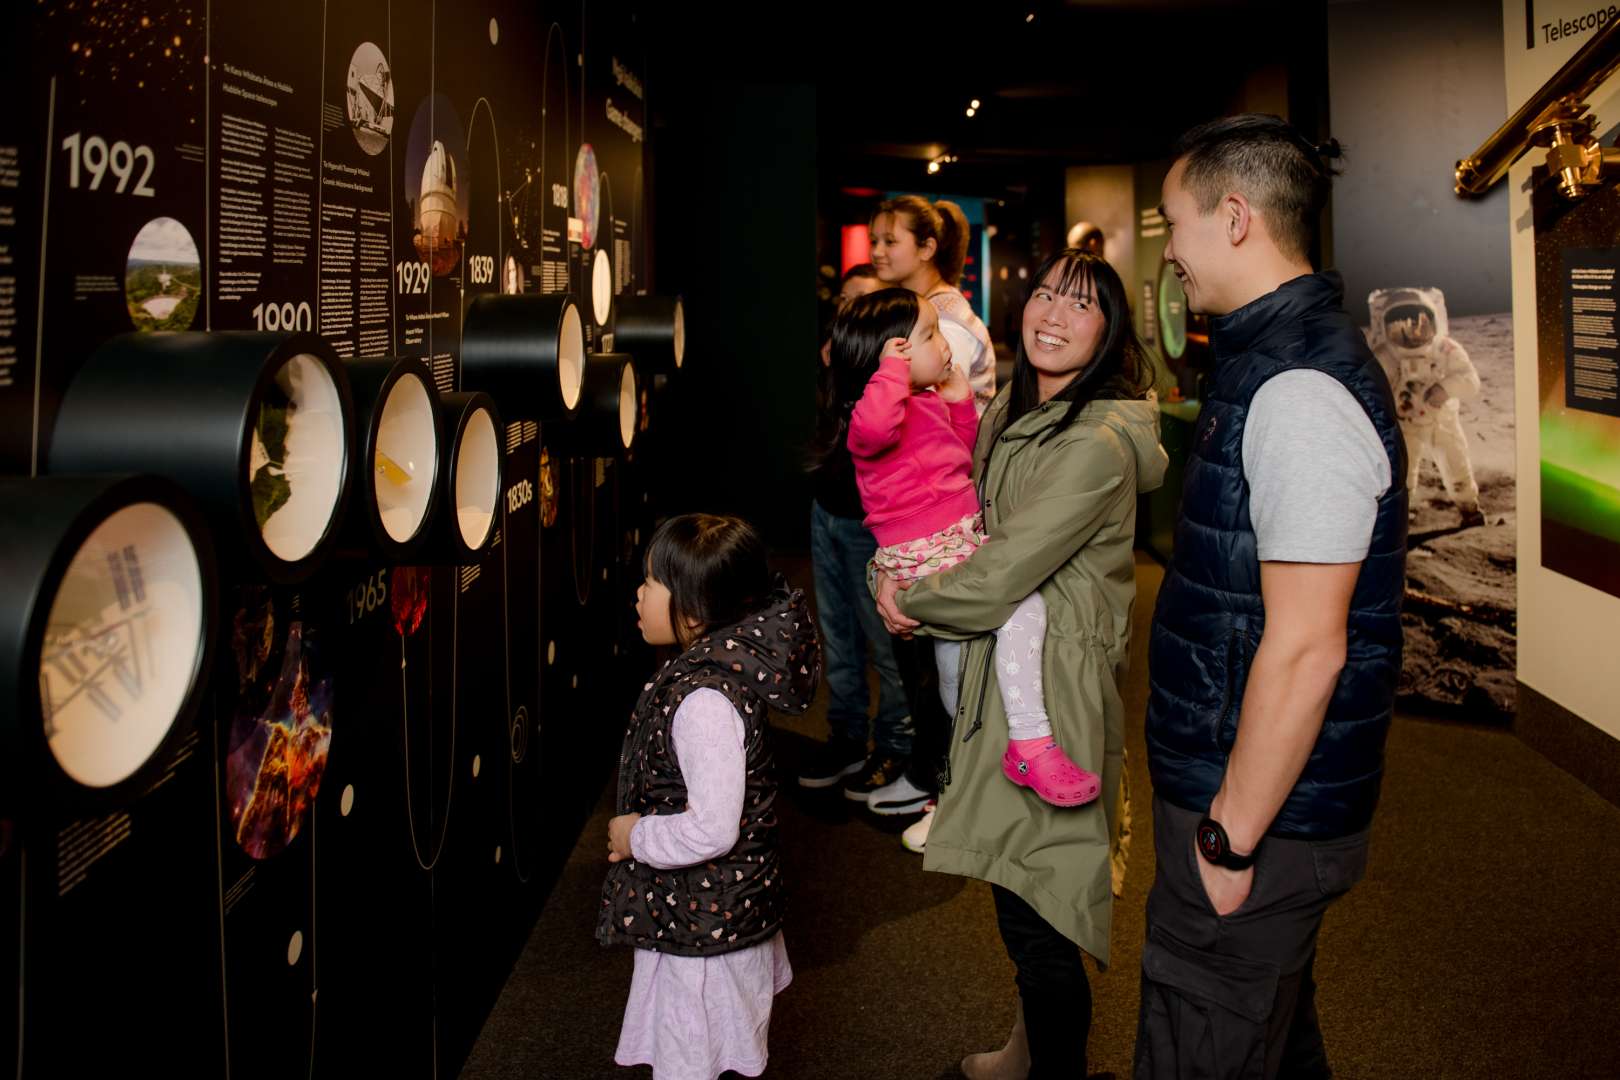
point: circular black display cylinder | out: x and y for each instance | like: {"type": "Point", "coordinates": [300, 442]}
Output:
{"type": "Point", "coordinates": [653, 330]}
{"type": "Point", "coordinates": [107, 628]}
{"type": "Point", "coordinates": [255, 427]}
{"type": "Point", "coordinates": [525, 351]}
{"type": "Point", "coordinates": [608, 420]}
{"type": "Point", "coordinates": [397, 451]}
{"type": "Point", "coordinates": [470, 478]}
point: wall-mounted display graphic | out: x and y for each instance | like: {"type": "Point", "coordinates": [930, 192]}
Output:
{"type": "Point", "coordinates": [104, 639]}
{"type": "Point", "coordinates": [266, 418]}
{"type": "Point", "coordinates": [370, 98]}
{"type": "Point", "coordinates": [1580, 414]}
{"type": "Point", "coordinates": [282, 731]}
{"type": "Point", "coordinates": [163, 277]}
{"type": "Point", "coordinates": [513, 280]}
{"type": "Point", "coordinates": [1453, 384]}
{"type": "Point", "coordinates": [1172, 312]}
{"type": "Point", "coordinates": [437, 188]}
{"type": "Point", "coordinates": [587, 195]}
{"type": "Point", "coordinates": [528, 352]}
{"type": "Point", "coordinates": [548, 488]}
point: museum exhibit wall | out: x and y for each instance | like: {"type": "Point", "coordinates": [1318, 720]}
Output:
{"type": "Point", "coordinates": [1104, 195]}
{"type": "Point", "coordinates": [1406, 83]}
{"type": "Point", "coordinates": [1568, 446]}
{"type": "Point", "coordinates": [305, 716]}
{"type": "Point", "coordinates": [735, 204]}
{"type": "Point", "coordinates": [1400, 104]}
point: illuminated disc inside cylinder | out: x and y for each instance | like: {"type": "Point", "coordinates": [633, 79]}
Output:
{"type": "Point", "coordinates": [478, 476]}
{"type": "Point", "coordinates": [627, 405]}
{"type": "Point", "coordinates": [680, 334]}
{"type": "Point", "coordinates": [406, 456]}
{"type": "Point", "coordinates": [295, 465]}
{"type": "Point", "coordinates": [571, 356]}
{"type": "Point", "coordinates": [122, 644]}
{"type": "Point", "coordinates": [601, 287]}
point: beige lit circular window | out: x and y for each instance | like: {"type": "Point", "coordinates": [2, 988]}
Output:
{"type": "Point", "coordinates": [406, 456]}
{"type": "Point", "coordinates": [122, 645]}
{"type": "Point", "coordinates": [602, 287]}
{"type": "Point", "coordinates": [571, 356]}
{"type": "Point", "coordinates": [478, 479]}
{"type": "Point", "coordinates": [629, 405]}
{"type": "Point", "coordinates": [296, 460]}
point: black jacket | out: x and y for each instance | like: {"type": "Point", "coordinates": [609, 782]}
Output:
{"type": "Point", "coordinates": [770, 660]}
{"type": "Point", "coordinates": [1210, 615]}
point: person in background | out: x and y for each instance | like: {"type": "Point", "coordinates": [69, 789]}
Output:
{"type": "Point", "coordinates": [1087, 237]}
{"type": "Point", "coordinates": [840, 547]}
{"type": "Point", "coordinates": [694, 883]}
{"type": "Point", "coordinates": [922, 246]}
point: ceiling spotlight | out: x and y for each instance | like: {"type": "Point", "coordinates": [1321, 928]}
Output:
{"type": "Point", "coordinates": [974, 104]}
{"type": "Point", "coordinates": [933, 167]}
{"type": "Point", "coordinates": [1030, 17]}
{"type": "Point", "coordinates": [970, 112]}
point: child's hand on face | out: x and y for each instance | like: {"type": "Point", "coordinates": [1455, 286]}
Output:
{"type": "Point", "coordinates": [619, 836]}
{"type": "Point", "coordinates": [897, 346]}
{"type": "Point", "coordinates": [955, 386]}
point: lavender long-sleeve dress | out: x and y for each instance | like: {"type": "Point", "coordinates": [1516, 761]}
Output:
{"type": "Point", "coordinates": [694, 1017]}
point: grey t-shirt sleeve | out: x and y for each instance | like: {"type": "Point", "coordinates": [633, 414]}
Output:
{"type": "Point", "coordinates": [1316, 469]}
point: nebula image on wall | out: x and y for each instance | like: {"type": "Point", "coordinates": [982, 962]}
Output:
{"type": "Point", "coordinates": [281, 732]}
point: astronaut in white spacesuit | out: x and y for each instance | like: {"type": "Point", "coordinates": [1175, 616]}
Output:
{"type": "Point", "coordinates": [1430, 373]}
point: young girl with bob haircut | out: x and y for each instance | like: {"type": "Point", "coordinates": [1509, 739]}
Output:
{"type": "Point", "coordinates": [695, 881]}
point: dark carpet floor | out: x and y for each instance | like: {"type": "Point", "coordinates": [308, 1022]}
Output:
{"type": "Point", "coordinates": [1483, 943]}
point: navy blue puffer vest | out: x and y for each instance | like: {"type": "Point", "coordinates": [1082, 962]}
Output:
{"type": "Point", "coordinates": [1210, 616]}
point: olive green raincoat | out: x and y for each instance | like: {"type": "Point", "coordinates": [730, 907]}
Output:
{"type": "Point", "coordinates": [1061, 517]}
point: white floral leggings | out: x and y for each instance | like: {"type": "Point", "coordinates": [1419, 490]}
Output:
{"type": "Point", "coordinates": [1019, 644]}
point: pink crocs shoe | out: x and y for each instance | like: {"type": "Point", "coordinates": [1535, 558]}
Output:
{"type": "Point", "coordinates": [1042, 766]}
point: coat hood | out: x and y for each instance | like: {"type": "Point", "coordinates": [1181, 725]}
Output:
{"type": "Point", "coordinates": [1135, 421]}
{"type": "Point", "coordinates": [776, 651]}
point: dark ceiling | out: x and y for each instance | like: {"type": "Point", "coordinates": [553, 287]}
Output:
{"type": "Point", "coordinates": [1083, 81]}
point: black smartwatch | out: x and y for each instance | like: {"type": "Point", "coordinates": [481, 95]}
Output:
{"type": "Point", "coordinates": [1217, 849]}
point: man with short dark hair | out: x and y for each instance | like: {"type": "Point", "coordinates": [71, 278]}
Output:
{"type": "Point", "coordinates": [1277, 639]}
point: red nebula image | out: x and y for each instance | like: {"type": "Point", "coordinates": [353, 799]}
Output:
{"type": "Point", "coordinates": [409, 591]}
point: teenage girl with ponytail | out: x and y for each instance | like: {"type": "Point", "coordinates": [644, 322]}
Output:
{"type": "Point", "coordinates": [922, 246]}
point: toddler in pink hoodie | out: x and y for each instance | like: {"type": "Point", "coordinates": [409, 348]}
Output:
{"type": "Point", "coordinates": [911, 428]}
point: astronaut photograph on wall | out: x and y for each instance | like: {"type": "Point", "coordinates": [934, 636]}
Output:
{"type": "Point", "coordinates": [1453, 385]}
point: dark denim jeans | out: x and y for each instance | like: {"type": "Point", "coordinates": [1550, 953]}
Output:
{"type": "Point", "coordinates": [840, 548]}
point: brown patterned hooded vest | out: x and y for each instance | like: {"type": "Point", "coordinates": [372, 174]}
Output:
{"type": "Point", "coordinates": [771, 660]}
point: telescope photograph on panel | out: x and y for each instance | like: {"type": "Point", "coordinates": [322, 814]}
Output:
{"type": "Point", "coordinates": [370, 99]}
{"type": "Point", "coordinates": [163, 277]}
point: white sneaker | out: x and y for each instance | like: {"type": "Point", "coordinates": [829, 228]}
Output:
{"type": "Point", "coordinates": [915, 838]}
{"type": "Point", "coordinates": [899, 797]}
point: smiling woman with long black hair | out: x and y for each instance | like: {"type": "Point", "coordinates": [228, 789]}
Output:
{"type": "Point", "coordinates": [1062, 454]}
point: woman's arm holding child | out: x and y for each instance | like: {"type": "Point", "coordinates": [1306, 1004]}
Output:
{"type": "Point", "coordinates": [708, 740]}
